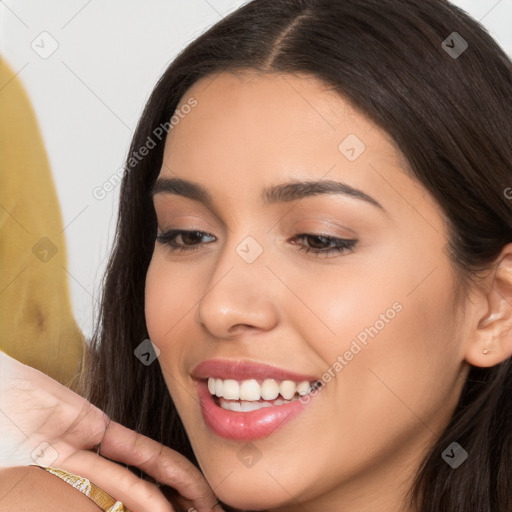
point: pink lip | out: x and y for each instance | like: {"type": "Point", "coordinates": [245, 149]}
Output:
{"type": "Point", "coordinates": [242, 370]}
{"type": "Point", "coordinates": [243, 426]}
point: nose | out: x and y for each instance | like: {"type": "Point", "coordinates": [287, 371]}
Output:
{"type": "Point", "coordinates": [239, 296]}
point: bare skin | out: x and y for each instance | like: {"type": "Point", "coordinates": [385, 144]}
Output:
{"type": "Point", "coordinates": [32, 489]}
{"type": "Point", "coordinates": [360, 440]}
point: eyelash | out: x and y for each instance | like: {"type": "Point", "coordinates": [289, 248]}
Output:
{"type": "Point", "coordinates": [341, 245]}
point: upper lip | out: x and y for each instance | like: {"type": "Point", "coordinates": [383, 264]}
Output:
{"type": "Point", "coordinates": [243, 370]}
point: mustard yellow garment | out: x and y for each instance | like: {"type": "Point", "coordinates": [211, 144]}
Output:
{"type": "Point", "coordinates": [36, 323]}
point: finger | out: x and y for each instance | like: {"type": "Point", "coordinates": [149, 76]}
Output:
{"type": "Point", "coordinates": [183, 504]}
{"type": "Point", "coordinates": [87, 427]}
{"type": "Point", "coordinates": [167, 466]}
{"type": "Point", "coordinates": [135, 493]}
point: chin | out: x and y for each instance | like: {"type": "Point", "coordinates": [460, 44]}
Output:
{"type": "Point", "coordinates": [248, 491]}
{"type": "Point", "coordinates": [249, 502]}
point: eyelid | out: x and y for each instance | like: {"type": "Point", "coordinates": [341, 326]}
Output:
{"type": "Point", "coordinates": [316, 227]}
{"type": "Point", "coordinates": [186, 223]}
{"type": "Point", "coordinates": [165, 205]}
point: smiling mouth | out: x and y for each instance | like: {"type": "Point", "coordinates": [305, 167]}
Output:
{"type": "Point", "coordinates": [243, 402]}
{"type": "Point", "coordinates": [242, 399]}
{"type": "Point", "coordinates": [252, 394]}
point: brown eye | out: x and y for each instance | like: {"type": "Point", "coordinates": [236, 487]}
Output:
{"type": "Point", "coordinates": [318, 244]}
{"type": "Point", "coordinates": [190, 239]}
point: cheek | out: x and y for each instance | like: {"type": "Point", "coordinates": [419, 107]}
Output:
{"type": "Point", "coordinates": [386, 334]}
{"type": "Point", "coordinates": [351, 301]}
{"type": "Point", "coordinates": [154, 303]}
{"type": "Point", "coordinates": [166, 302]}
{"type": "Point", "coordinates": [407, 361]}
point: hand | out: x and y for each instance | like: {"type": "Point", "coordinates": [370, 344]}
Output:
{"type": "Point", "coordinates": [44, 422]}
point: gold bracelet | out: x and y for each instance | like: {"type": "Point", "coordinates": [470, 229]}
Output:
{"type": "Point", "coordinates": [85, 486]}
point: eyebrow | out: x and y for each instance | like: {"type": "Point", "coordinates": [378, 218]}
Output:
{"type": "Point", "coordinates": [286, 192]}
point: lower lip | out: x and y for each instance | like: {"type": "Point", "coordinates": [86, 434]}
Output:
{"type": "Point", "coordinates": [243, 426]}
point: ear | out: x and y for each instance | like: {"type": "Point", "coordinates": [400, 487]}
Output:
{"type": "Point", "coordinates": [490, 339]}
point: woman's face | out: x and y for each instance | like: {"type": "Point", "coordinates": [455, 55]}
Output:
{"type": "Point", "coordinates": [373, 322]}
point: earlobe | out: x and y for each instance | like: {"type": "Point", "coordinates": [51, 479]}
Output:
{"type": "Point", "coordinates": [491, 340]}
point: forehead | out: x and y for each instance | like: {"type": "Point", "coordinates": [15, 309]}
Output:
{"type": "Point", "coordinates": [274, 121]}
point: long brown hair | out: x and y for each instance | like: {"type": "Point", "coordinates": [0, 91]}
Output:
{"type": "Point", "coordinates": [450, 114]}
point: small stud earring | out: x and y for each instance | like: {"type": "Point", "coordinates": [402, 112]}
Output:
{"type": "Point", "coordinates": [486, 351]}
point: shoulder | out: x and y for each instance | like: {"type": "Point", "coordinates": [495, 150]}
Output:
{"type": "Point", "coordinates": [30, 489]}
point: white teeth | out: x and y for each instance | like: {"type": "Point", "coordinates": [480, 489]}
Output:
{"type": "Point", "coordinates": [269, 389]}
{"type": "Point", "coordinates": [241, 406]}
{"type": "Point", "coordinates": [303, 388]}
{"type": "Point", "coordinates": [252, 391]}
{"type": "Point", "coordinates": [231, 390]}
{"type": "Point", "coordinates": [219, 387]}
{"type": "Point", "coordinates": [287, 389]}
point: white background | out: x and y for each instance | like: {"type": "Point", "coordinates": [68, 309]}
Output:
{"type": "Point", "coordinates": [89, 94]}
